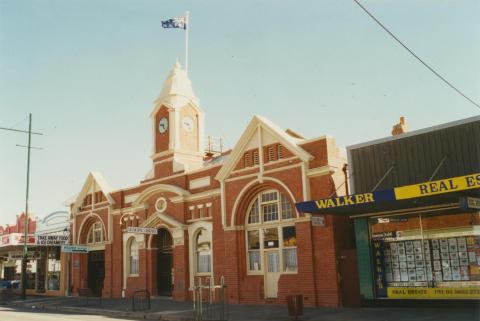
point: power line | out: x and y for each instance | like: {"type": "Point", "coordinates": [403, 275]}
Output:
{"type": "Point", "coordinates": [417, 57]}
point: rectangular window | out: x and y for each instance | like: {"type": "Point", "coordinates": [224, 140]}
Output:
{"type": "Point", "coordinates": [253, 216]}
{"type": "Point", "coordinates": [286, 207]}
{"type": "Point", "coordinates": [134, 264]}
{"type": "Point", "coordinates": [201, 212]}
{"type": "Point", "coordinates": [269, 197]}
{"type": "Point", "coordinates": [290, 259]}
{"type": "Point", "coordinates": [209, 211]}
{"type": "Point", "coordinates": [253, 240]}
{"type": "Point", "coordinates": [254, 261]}
{"type": "Point", "coordinates": [203, 262]}
{"type": "Point", "coordinates": [270, 238]}
{"type": "Point", "coordinates": [289, 236]}
{"type": "Point", "coordinates": [270, 212]}
{"type": "Point", "coordinates": [53, 272]}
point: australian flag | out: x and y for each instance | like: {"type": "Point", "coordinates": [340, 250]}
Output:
{"type": "Point", "coordinates": [180, 23]}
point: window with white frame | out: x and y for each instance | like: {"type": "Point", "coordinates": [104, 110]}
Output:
{"type": "Point", "coordinates": [203, 250]}
{"type": "Point", "coordinates": [95, 235]}
{"type": "Point", "coordinates": [133, 261]}
{"type": "Point", "coordinates": [270, 227]}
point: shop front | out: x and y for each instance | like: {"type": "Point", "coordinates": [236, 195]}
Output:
{"type": "Point", "coordinates": [416, 213]}
{"type": "Point", "coordinates": [52, 232]}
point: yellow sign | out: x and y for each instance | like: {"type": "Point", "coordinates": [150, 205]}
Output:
{"type": "Point", "coordinates": [345, 200]}
{"type": "Point", "coordinates": [435, 293]}
{"type": "Point", "coordinates": [442, 186]}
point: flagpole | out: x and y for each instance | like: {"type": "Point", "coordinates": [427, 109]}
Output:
{"type": "Point", "coordinates": [187, 25]}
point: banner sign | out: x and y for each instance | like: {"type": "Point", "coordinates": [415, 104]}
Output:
{"type": "Point", "coordinates": [18, 255]}
{"type": "Point", "coordinates": [74, 249]}
{"type": "Point", "coordinates": [52, 239]}
{"type": "Point", "coordinates": [16, 239]}
{"type": "Point", "coordinates": [435, 293]}
{"type": "Point", "coordinates": [442, 186]}
{"type": "Point", "coordinates": [142, 230]}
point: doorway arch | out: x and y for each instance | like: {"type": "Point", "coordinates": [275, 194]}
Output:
{"type": "Point", "coordinates": [164, 244]}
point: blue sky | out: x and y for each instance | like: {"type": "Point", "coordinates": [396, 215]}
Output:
{"type": "Point", "coordinates": [89, 72]}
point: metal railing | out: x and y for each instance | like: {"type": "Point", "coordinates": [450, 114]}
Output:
{"type": "Point", "coordinates": [141, 300]}
{"type": "Point", "coordinates": [209, 300]}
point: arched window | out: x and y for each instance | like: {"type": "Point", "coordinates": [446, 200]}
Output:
{"type": "Point", "coordinates": [270, 228]}
{"type": "Point", "coordinates": [95, 234]}
{"type": "Point", "coordinates": [133, 256]}
{"type": "Point", "coordinates": [203, 250]}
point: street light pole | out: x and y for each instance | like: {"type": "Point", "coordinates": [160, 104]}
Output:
{"type": "Point", "coordinates": [25, 228]}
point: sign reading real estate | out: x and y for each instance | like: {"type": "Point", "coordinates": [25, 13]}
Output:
{"type": "Point", "coordinates": [74, 249]}
{"type": "Point", "coordinates": [142, 230]}
{"type": "Point", "coordinates": [52, 239]}
{"type": "Point", "coordinates": [454, 184]}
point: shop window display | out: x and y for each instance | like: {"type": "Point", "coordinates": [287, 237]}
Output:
{"type": "Point", "coordinates": [426, 256]}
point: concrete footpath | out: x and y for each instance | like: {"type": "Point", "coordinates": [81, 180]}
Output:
{"type": "Point", "coordinates": [167, 309]}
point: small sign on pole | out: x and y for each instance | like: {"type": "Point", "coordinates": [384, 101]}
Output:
{"type": "Point", "coordinates": [74, 249]}
{"type": "Point", "coordinates": [142, 230]}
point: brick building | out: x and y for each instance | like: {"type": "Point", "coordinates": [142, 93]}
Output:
{"type": "Point", "coordinates": [228, 214]}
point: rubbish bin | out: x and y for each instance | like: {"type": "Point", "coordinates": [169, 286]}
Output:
{"type": "Point", "coordinates": [295, 305]}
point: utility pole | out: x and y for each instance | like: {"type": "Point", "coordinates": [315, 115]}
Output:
{"type": "Point", "coordinates": [25, 228]}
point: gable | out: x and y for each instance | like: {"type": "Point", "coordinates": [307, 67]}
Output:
{"type": "Point", "coordinates": [261, 133]}
{"type": "Point", "coordinates": [95, 189]}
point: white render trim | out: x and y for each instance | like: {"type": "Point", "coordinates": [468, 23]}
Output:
{"type": "Point", "coordinates": [164, 153]}
{"type": "Point", "coordinates": [279, 169]}
{"type": "Point", "coordinates": [159, 188]}
{"type": "Point", "coordinates": [86, 219]}
{"type": "Point", "coordinates": [305, 182]}
{"type": "Point", "coordinates": [208, 204]}
{"type": "Point", "coordinates": [223, 202]}
{"type": "Point", "coordinates": [163, 160]}
{"type": "Point", "coordinates": [130, 198]}
{"type": "Point", "coordinates": [195, 197]}
{"type": "Point", "coordinates": [247, 187]}
{"type": "Point", "coordinates": [200, 206]}
{"type": "Point", "coordinates": [245, 169]}
{"type": "Point", "coordinates": [129, 210]}
{"type": "Point", "coordinates": [234, 228]}
{"type": "Point", "coordinates": [191, 207]}
{"type": "Point", "coordinates": [200, 182]}
{"type": "Point", "coordinates": [260, 150]}
{"type": "Point", "coordinates": [193, 229]}
{"type": "Point", "coordinates": [320, 171]}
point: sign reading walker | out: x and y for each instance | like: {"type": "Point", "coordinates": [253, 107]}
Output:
{"type": "Point", "coordinates": [52, 239]}
{"type": "Point", "coordinates": [142, 230]}
{"type": "Point", "coordinates": [454, 184]}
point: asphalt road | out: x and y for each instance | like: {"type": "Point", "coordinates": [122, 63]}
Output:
{"type": "Point", "coordinates": [7, 314]}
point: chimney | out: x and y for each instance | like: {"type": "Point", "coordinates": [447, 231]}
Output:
{"type": "Point", "coordinates": [400, 128]}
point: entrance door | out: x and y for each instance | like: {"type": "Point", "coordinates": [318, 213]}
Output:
{"type": "Point", "coordinates": [96, 271]}
{"type": "Point", "coordinates": [349, 278]}
{"type": "Point", "coordinates": [164, 263]}
{"type": "Point", "coordinates": [272, 275]}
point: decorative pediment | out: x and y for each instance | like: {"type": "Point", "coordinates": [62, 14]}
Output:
{"type": "Point", "coordinates": [157, 218]}
{"type": "Point", "coordinates": [259, 133]}
{"type": "Point", "coordinates": [155, 189]}
{"type": "Point", "coordinates": [94, 183]}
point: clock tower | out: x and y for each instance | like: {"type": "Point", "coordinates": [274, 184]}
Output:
{"type": "Point", "coordinates": [178, 126]}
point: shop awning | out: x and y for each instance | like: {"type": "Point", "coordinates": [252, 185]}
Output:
{"type": "Point", "coordinates": [457, 192]}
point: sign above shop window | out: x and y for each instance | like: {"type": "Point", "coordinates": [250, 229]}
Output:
{"type": "Point", "coordinates": [74, 249]}
{"type": "Point", "coordinates": [449, 185]}
{"type": "Point", "coordinates": [52, 239]}
{"type": "Point", "coordinates": [471, 203]}
{"type": "Point", "coordinates": [18, 255]}
{"type": "Point", "coordinates": [142, 230]}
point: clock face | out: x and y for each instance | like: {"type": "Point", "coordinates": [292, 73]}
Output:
{"type": "Point", "coordinates": [187, 124]}
{"type": "Point", "coordinates": [163, 125]}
